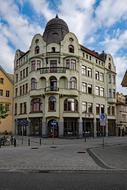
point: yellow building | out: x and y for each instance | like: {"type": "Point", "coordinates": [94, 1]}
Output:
{"type": "Point", "coordinates": [6, 99]}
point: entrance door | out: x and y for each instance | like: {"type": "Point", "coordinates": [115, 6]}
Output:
{"type": "Point", "coordinates": [71, 127]}
{"type": "Point", "coordinates": [53, 128]}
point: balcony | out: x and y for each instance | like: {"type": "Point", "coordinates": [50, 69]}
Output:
{"type": "Point", "coordinates": [37, 92]}
{"type": "Point", "coordinates": [111, 100]}
{"type": "Point", "coordinates": [51, 89]}
{"type": "Point", "coordinates": [68, 92]}
{"type": "Point", "coordinates": [52, 70]}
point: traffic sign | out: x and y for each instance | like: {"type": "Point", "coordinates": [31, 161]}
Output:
{"type": "Point", "coordinates": [102, 117]}
{"type": "Point", "coordinates": [54, 123]}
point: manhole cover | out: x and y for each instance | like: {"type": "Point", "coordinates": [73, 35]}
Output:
{"type": "Point", "coordinates": [81, 152]}
{"type": "Point", "coordinates": [52, 146]}
{"type": "Point", "coordinates": [34, 148]}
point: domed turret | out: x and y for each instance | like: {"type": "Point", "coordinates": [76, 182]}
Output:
{"type": "Point", "coordinates": [55, 30]}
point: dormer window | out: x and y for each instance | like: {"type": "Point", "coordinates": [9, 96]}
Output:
{"type": "Point", "coordinates": [53, 49]}
{"type": "Point", "coordinates": [71, 48]}
{"type": "Point", "coordinates": [109, 66]}
{"type": "Point", "coordinates": [71, 39]}
{"type": "Point", "coordinates": [36, 41]}
{"type": "Point", "coordinates": [37, 49]}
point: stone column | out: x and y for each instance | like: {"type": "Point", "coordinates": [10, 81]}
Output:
{"type": "Point", "coordinates": [28, 127]}
{"type": "Point", "coordinates": [106, 127]}
{"type": "Point", "coordinates": [44, 128]}
{"type": "Point", "coordinates": [61, 127]}
{"type": "Point", "coordinates": [80, 127]}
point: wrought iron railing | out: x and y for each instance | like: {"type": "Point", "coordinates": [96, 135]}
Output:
{"type": "Point", "coordinates": [53, 70]}
{"type": "Point", "coordinates": [51, 88]}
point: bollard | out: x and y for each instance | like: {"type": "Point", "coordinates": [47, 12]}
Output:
{"type": "Point", "coordinates": [14, 142]}
{"type": "Point", "coordinates": [40, 141]}
{"type": "Point", "coordinates": [28, 142]}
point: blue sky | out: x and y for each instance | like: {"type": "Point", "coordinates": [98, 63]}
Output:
{"type": "Point", "coordinates": [98, 24]}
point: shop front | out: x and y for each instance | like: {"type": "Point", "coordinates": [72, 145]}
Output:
{"type": "Point", "coordinates": [88, 127]}
{"type": "Point", "coordinates": [71, 127]}
{"type": "Point", "coordinates": [36, 126]}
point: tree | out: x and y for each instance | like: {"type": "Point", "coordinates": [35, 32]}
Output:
{"type": "Point", "coordinates": [3, 112]}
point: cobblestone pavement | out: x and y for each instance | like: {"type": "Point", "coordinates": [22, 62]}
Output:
{"type": "Point", "coordinates": [57, 154]}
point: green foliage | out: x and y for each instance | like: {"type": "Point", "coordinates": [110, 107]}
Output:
{"type": "Point", "coordinates": [3, 112]}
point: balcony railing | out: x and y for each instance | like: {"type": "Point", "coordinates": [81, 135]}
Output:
{"type": "Point", "coordinates": [51, 88]}
{"type": "Point", "coordinates": [53, 70]}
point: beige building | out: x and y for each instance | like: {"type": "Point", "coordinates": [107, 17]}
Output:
{"type": "Point", "coordinates": [121, 115]}
{"type": "Point", "coordinates": [6, 100]}
{"type": "Point", "coordinates": [62, 87]}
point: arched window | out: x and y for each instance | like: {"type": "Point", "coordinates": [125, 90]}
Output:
{"type": "Point", "coordinates": [71, 48]}
{"type": "Point", "coordinates": [73, 83]}
{"type": "Point", "coordinates": [52, 103]}
{"type": "Point", "coordinates": [36, 105]}
{"type": "Point", "coordinates": [53, 83]}
{"type": "Point", "coordinates": [53, 49]}
{"type": "Point", "coordinates": [33, 84]}
{"type": "Point", "coordinates": [70, 104]}
{"type": "Point", "coordinates": [37, 49]}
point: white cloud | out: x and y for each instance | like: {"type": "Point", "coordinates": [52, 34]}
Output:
{"type": "Point", "coordinates": [41, 7]}
{"type": "Point", "coordinates": [78, 15]}
{"type": "Point", "coordinates": [17, 30]}
{"type": "Point", "coordinates": [110, 11]}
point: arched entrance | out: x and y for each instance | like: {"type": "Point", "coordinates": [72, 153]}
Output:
{"type": "Point", "coordinates": [53, 130]}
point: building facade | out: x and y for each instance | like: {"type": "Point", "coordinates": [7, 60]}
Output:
{"type": "Point", "coordinates": [121, 115]}
{"type": "Point", "coordinates": [6, 100]}
{"type": "Point", "coordinates": [62, 87]}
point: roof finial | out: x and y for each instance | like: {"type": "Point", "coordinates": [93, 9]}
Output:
{"type": "Point", "coordinates": [57, 16]}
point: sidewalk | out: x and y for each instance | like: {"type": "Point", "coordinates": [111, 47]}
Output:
{"type": "Point", "coordinates": [64, 154]}
{"type": "Point", "coordinates": [110, 157]}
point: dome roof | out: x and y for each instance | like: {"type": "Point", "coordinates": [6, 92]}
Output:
{"type": "Point", "coordinates": [55, 30]}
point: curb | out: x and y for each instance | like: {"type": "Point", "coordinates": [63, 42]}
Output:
{"type": "Point", "coordinates": [98, 160]}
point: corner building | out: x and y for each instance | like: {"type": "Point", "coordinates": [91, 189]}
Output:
{"type": "Point", "coordinates": [62, 87]}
